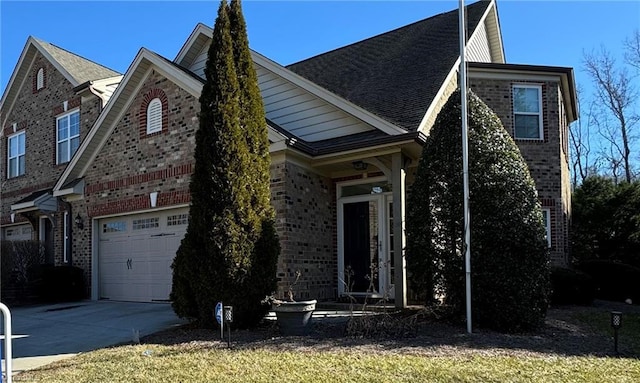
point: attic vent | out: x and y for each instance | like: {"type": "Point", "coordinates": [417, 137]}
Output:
{"type": "Point", "coordinates": [154, 116]}
{"type": "Point", "coordinates": [40, 79]}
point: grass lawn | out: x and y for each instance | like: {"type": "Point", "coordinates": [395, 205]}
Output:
{"type": "Point", "coordinates": [155, 363]}
{"type": "Point", "coordinates": [575, 346]}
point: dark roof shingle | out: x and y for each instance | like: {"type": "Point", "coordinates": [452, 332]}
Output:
{"type": "Point", "coordinates": [80, 68]}
{"type": "Point", "coordinates": [397, 74]}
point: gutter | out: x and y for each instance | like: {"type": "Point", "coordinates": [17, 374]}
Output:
{"type": "Point", "coordinates": [88, 85]}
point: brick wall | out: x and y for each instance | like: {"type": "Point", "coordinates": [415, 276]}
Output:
{"type": "Point", "coordinates": [35, 112]}
{"type": "Point", "coordinates": [547, 159]}
{"type": "Point", "coordinates": [305, 218]}
{"type": "Point", "coordinates": [131, 165]}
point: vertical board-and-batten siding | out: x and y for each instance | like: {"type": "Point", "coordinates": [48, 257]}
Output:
{"type": "Point", "coordinates": [296, 109]}
{"type": "Point", "coordinates": [478, 46]}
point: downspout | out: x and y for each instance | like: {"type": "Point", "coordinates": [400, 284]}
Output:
{"type": "Point", "coordinates": [69, 239]}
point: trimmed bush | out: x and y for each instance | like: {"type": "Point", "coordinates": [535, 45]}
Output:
{"type": "Point", "coordinates": [510, 262]}
{"type": "Point", "coordinates": [18, 258]}
{"type": "Point", "coordinates": [613, 280]}
{"type": "Point", "coordinates": [59, 283]}
{"type": "Point", "coordinates": [570, 286]}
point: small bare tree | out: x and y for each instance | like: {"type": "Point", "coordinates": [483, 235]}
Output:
{"type": "Point", "coordinates": [616, 94]}
{"type": "Point", "coordinates": [582, 161]}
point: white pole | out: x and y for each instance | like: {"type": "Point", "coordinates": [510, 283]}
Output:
{"type": "Point", "coordinates": [465, 162]}
{"type": "Point", "coordinates": [7, 343]}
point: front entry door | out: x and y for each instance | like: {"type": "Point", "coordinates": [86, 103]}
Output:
{"type": "Point", "coordinates": [364, 252]}
{"type": "Point", "coordinates": [361, 246]}
{"type": "Point", "coordinates": [46, 236]}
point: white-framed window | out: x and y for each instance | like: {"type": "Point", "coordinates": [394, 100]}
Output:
{"type": "Point", "coordinates": [546, 219]}
{"type": "Point", "coordinates": [154, 116]}
{"type": "Point", "coordinates": [178, 219]}
{"type": "Point", "coordinates": [527, 112]}
{"type": "Point", "coordinates": [15, 155]}
{"type": "Point", "coordinates": [146, 223]}
{"type": "Point", "coordinates": [114, 227]}
{"type": "Point", "coordinates": [67, 136]}
{"type": "Point", "coordinates": [40, 79]}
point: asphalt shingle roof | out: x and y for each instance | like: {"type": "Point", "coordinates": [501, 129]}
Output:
{"type": "Point", "coordinates": [80, 68]}
{"type": "Point", "coordinates": [397, 74]}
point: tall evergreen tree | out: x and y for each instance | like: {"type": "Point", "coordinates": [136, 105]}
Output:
{"type": "Point", "coordinates": [215, 261]}
{"type": "Point", "coordinates": [509, 258]}
{"type": "Point", "coordinates": [261, 278]}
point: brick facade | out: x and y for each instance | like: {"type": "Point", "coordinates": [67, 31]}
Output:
{"type": "Point", "coordinates": [131, 165]}
{"type": "Point", "coordinates": [306, 223]}
{"type": "Point", "coordinates": [547, 158]}
{"type": "Point", "coordinates": [34, 112]}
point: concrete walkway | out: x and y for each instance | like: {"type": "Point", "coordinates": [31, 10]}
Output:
{"type": "Point", "coordinates": [47, 333]}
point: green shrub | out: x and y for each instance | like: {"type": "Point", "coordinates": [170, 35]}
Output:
{"type": "Point", "coordinates": [613, 280]}
{"type": "Point", "coordinates": [570, 286]}
{"type": "Point", "coordinates": [510, 262]}
{"type": "Point", "coordinates": [59, 283]}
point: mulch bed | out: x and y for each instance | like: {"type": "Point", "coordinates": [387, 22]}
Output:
{"type": "Point", "coordinates": [424, 336]}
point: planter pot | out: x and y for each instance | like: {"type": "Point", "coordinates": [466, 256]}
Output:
{"type": "Point", "coordinates": [294, 318]}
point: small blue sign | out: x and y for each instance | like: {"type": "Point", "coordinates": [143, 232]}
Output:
{"type": "Point", "coordinates": [219, 312]}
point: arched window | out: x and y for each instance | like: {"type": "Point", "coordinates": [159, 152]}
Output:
{"type": "Point", "coordinates": [154, 116]}
{"type": "Point", "coordinates": [40, 79]}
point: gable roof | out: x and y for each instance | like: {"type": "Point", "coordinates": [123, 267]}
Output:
{"type": "Point", "coordinates": [395, 75]}
{"type": "Point", "coordinates": [76, 69]}
{"type": "Point", "coordinates": [142, 64]}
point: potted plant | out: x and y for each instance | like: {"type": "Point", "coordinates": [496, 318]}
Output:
{"type": "Point", "coordinates": [293, 317]}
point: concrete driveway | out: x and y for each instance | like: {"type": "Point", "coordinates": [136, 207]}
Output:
{"type": "Point", "coordinates": [45, 333]}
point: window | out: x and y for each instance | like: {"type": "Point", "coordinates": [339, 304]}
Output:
{"type": "Point", "coordinates": [114, 227]}
{"type": "Point", "coordinates": [146, 223]}
{"type": "Point", "coordinates": [15, 154]}
{"type": "Point", "coordinates": [65, 230]}
{"type": "Point", "coordinates": [527, 111]}
{"type": "Point", "coordinates": [178, 219]}
{"type": "Point", "coordinates": [40, 79]}
{"type": "Point", "coordinates": [546, 218]}
{"type": "Point", "coordinates": [154, 116]}
{"type": "Point", "coordinates": [68, 136]}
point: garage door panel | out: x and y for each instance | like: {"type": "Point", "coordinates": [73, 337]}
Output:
{"type": "Point", "coordinates": [135, 261]}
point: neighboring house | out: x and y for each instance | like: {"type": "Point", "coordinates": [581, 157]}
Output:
{"type": "Point", "coordinates": [51, 101]}
{"type": "Point", "coordinates": [346, 130]}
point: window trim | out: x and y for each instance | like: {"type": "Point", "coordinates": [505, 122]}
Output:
{"type": "Point", "coordinates": [157, 122]}
{"type": "Point", "coordinates": [17, 156]}
{"type": "Point", "coordinates": [546, 212]}
{"type": "Point", "coordinates": [539, 113]}
{"type": "Point", "coordinates": [69, 137]}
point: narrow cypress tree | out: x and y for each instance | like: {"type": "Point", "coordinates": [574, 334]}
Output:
{"type": "Point", "coordinates": [231, 248]}
{"type": "Point", "coordinates": [261, 276]}
{"type": "Point", "coordinates": [212, 259]}
{"type": "Point", "coordinates": [509, 264]}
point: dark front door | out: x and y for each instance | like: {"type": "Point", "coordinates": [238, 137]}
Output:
{"type": "Point", "coordinates": [47, 238]}
{"type": "Point", "coordinates": [361, 246]}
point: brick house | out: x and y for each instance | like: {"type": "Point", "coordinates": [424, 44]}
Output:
{"type": "Point", "coordinates": [52, 99]}
{"type": "Point", "coordinates": [346, 130]}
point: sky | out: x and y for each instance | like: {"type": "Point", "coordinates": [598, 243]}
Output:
{"type": "Point", "coordinates": [541, 32]}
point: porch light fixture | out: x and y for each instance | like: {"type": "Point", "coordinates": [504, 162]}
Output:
{"type": "Point", "coordinates": [616, 323]}
{"type": "Point", "coordinates": [360, 165]}
{"type": "Point", "coordinates": [78, 221]}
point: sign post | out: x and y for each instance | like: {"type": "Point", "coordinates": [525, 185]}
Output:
{"type": "Point", "coordinates": [220, 319]}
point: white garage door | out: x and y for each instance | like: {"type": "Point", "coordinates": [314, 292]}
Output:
{"type": "Point", "coordinates": [135, 254]}
{"type": "Point", "coordinates": [17, 233]}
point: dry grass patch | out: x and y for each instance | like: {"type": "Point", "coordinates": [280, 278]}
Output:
{"type": "Point", "coordinates": [195, 363]}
